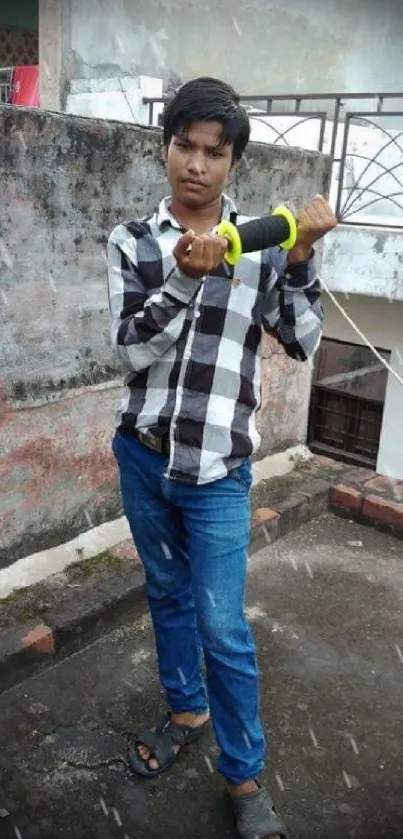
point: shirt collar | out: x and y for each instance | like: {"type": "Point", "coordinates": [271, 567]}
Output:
{"type": "Point", "coordinates": [164, 215]}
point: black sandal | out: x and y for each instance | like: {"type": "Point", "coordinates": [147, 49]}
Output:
{"type": "Point", "coordinates": [256, 815]}
{"type": "Point", "coordinates": [160, 744]}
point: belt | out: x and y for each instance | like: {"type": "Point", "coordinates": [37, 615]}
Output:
{"type": "Point", "coordinates": [156, 444]}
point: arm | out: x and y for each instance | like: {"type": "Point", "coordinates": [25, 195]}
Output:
{"type": "Point", "coordinates": [143, 328]}
{"type": "Point", "coordinates": [292, 311]}
{"type": "Point", "coordinates": [291, 308]}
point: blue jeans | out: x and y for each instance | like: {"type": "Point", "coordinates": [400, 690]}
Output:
{"type": "Point", "coordinates": [193, 541]}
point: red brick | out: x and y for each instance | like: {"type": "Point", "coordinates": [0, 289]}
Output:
{"type": "Point", "coordinates": [386, 486]}
{"type": "Point", "coordinates": [383, 510]}
{"type": "Point", "coordinates": [347, 497]}
{"type": "Point", "coordinates": [125, 550]}
{"type": "Point", "coordinates": [263, 515]}
{"type": "Point", "coordinates": [40, 639]}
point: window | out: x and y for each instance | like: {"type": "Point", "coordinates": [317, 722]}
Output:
{"type": "Point", "coordinates": [348, 395]}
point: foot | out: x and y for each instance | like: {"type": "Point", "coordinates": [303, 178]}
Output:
{"type": "Point", "coordinates": [191, 720]}
{"type": "Point", "coordinates": [242, 789]}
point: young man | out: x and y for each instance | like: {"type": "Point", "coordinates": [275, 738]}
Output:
{"type": "Point", "coordinates": [188, 330]}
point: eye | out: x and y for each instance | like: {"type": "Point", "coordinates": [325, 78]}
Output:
{"type": "Point", "coordinates": [215, 153]}
{"type": "Point", "coordinates": [182, 144]}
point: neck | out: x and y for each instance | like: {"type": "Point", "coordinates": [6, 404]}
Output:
{"type": "Point", "coordinates": [201, 220]}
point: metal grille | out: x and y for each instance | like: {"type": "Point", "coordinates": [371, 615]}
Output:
{"type": "Point", "coordinates": [345, 425]}
{"type": "Point", "coordinates": [363, 183]}
{"type": "Point", "coordinates": [377, 182]}
{"type": "Point", "coordinates": [6, 74]}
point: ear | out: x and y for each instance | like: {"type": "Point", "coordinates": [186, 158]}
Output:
{"type": "Point", "coordinates": [235, 163]}
{"type": "Point", "coordinates": [164, 154]}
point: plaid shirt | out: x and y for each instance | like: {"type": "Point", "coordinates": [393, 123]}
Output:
{"type": "Point", "coordinates": [192, 349]}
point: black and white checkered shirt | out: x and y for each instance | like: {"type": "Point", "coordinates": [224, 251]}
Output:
{"type": "Point", "coordinates": [192, 349]}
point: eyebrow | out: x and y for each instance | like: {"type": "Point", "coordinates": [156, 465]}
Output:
{"type": "Point", "coordinates": [182, 137]}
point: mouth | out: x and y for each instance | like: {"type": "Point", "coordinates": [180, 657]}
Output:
{"type": "Point", "coordinates": [194, 183]}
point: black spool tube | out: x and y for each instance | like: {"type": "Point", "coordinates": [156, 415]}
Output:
{"type": "Point", "coordinates": [266, 232]}
{"type": "Point", "coordinates": [278, 229]}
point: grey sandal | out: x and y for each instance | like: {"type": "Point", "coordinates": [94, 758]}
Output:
{"type": "Point", "coordinates": [161, 745]}
{"type": "Point", "coordinates": [256, 815]}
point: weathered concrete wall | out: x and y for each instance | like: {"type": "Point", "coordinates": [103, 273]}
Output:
{"type": "Point", "coordinates": [364, 260]}
{"type": "Point", "coordinates": [260, 45]}
{"type": "Point", "coordinates": [65, 183]}
{"type": "Point", "coordinates": [50, 54]}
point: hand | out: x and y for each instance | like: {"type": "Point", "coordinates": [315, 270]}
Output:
{"type": "Point", "coordinates": [314, 221]}
{"type": "Point", "coordinates": [197, 255]}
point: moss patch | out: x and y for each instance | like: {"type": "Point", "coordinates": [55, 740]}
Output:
{"type": "Point", "coordinates": [24, 604]}
{"type": "Point", "coordinates": [33, 602]}
{"type": "Point", "coordinates": [85, 568]}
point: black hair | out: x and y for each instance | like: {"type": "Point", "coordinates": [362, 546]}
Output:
{"type": "Point", "coordinates": [208, 99]}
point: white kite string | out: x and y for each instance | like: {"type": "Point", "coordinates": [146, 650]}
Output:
{"type": "Point", "coordinates": [358, 331]}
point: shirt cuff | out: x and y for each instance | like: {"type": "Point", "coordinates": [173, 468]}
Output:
{"type": "Point", "coordinates": [182, 287]}
{"type": "Point", "coordinates": [300, 275]}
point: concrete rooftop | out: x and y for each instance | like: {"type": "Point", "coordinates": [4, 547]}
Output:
{"type": "Point", "coordinates": [326, 605]}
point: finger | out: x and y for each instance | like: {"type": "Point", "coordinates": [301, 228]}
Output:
{"type": "Point", "coordinates": [210, 237]}
{"type": "Point", "coordinates": [320, 201]}
{"type": "Point", "coordinates": [315, 216]}
{"type": "Point", "coordinates": [310, 226]}
{"type": "Point", "coordinates": [184, 244]}
{"type": "Point", "coordinates": [187, 241]}
{"type": "Point", "coordinates": [193, 257]}
{"type": "Point", "coordinates": [208, 253]}
{"type": "Point", "coordinates": [317, 213]}
{"type": "Point", "coordinates": [196, 255]}
{"type": "Point", "coordinates": [188, 236]}
{"type": "Point", "coordinates": [223, 244]}
{"type": "Point", "coordinates": [213, 243]}
{"type": "Point", "coordinates": [302, 218]}
{"type": "Point", "coordinates": [214, 249]}
{"type": "Point", "coordinates": [322, 213]}
{"type": "Point", "coordinates": [219, 243]}
{"type": "Point", "coordinates": [321, 206]}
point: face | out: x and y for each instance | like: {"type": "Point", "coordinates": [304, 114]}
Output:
{"type": "Point", "coordinates": [198, 165]}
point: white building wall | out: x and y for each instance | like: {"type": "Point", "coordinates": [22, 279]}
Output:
{"type": "Point", "coordinates": [261, 46]}
{"type": "Point", "coordinates": [118, 99]}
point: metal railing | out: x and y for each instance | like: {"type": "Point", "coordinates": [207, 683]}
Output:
{"type": "Point", "coordinates": [6, 76]}
{"type": "Point", "coordinates": [364, 142]}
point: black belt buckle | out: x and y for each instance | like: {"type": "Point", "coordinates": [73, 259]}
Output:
{"type": "Point", "coordinates": [156, 444]}
{"type": "Point", "coordinates": [153, 443]}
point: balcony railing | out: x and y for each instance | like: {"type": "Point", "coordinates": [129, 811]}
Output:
{"type": "Point", "coordinates": [362, 132]}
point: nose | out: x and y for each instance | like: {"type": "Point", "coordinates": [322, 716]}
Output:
{"type": "Point", "coordinates": [196, 163]}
